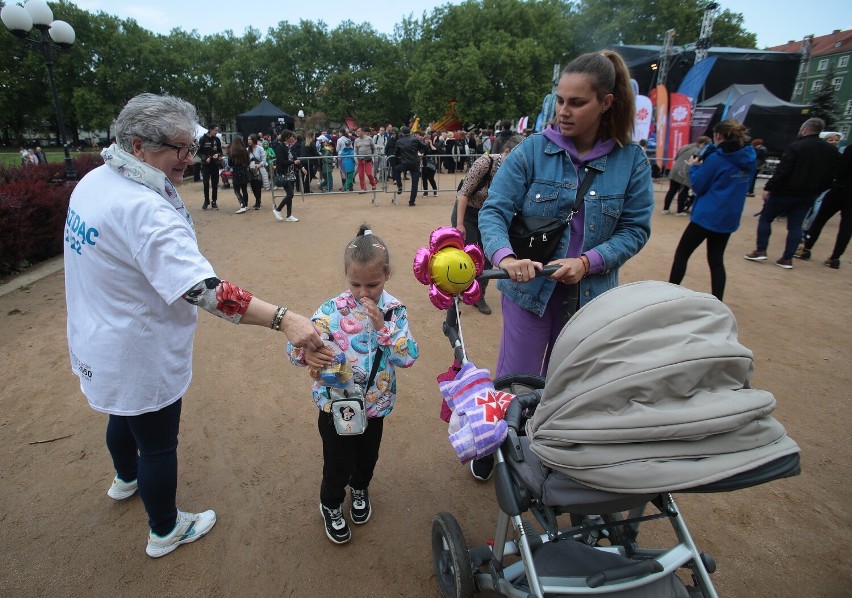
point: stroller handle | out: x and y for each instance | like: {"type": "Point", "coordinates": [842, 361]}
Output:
{"type": "Point", "coordinates": [499, 273]}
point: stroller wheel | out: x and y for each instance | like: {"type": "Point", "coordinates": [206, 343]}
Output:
{"type": "Point", "coordinates": [453, 568]}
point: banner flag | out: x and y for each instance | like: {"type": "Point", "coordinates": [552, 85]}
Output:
{"type": "Point", "coordinates": [694, 80]}
{"type": "Point", "coordinates": [662, 128]}
{"type": "Point", "coordinates": [739, 109]}
{"type": "Point", "coordinates": [642, 122]}
{"type": "Point", "coordinates": [679, 119]}
{"type": "Point", "coordinates": [701, 118]}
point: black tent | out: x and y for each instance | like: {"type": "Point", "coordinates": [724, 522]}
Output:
{"type": "Point", "coordinates": [770, 118]}
{"type": "Point", "coordinates": [776, 70]}
{"type": "Point", "coordinates": [261, 117]}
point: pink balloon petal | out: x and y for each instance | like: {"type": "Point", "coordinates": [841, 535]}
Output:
{"type": "Point", "coordinates": [472, 294]}
{"type": "Point", "coordinates": [445, 236]}
{"type": "Point", "coordinates": [475, 253]}
{"type": "Point", "coordinates": [439, 298]}
{"type": "Point", "coordinates": [421, 265]}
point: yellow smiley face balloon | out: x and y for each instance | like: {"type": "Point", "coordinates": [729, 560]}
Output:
{"type": "Point", "coordinates": [452, 270]}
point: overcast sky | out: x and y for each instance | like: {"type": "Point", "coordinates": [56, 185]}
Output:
{"type": "Point", "coordinates": [774, 21]}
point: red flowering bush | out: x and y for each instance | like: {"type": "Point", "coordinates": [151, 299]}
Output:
{"type": "Point", "coordinates": [33, 206]}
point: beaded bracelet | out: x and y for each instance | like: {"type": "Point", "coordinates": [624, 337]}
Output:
{"type": "Point", "coordinates": [279, 315]}
{"type": "Point", "coordinates": [586, 265]}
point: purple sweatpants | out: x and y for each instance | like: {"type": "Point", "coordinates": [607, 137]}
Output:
{"type": "Point", "coordinates": [527, 340]}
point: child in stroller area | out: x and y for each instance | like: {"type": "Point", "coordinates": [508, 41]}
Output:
{"type": "Point", "coordinates": [367, 328]}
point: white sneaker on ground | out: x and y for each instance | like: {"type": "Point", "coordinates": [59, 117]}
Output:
{"type": "Point", "coordinates": [292, 219]}
{"type": "Point", "coordinates": [242, 210]}
{"type": "Point", "coordinates": [121, 489]}
{"type": "Point", "coordinates": [189, 528]}
{"type": "Point", "coordinates": [277, 215]}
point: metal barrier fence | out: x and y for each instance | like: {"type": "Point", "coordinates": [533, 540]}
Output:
{"type": "Point", "coordinates": [452, 164]}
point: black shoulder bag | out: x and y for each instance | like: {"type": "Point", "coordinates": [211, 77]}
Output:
{"type": "Point", "coordinates": [536, 237]}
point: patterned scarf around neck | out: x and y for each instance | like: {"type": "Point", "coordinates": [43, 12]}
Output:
{"type": "Point", "coordinates": [134, 169]}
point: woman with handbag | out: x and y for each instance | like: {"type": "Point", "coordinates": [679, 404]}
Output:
{"type": "Point", "coordinates": [257, 168]}
{"type": "Point", "coordinates": [601, 227]}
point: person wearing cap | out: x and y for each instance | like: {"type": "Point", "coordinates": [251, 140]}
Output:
{"type": "Point", "coordinates": [408, 150]}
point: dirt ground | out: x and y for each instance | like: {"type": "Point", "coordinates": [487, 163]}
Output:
{"type": "Point", "coordinates": [249, 447]}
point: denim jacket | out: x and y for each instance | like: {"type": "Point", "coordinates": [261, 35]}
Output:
{"type": "Point", "coordinates": [538, 178]}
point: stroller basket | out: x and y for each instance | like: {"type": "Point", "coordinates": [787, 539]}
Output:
{"type": "Point", "coordinates": [558, 535]}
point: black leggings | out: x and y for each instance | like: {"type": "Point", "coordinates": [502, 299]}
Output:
{"type": "Point", "coordinates": [428, 176]}
{"type": "Point", "coordinates": [682, 192]}
{"type": "Point", "coordinates": [692, 237]}
{"type": "Point", "coordinates": [833, 202]}
{"type": "Point", "coordinates": [256, 186]}
{"type": "Point", "coordinates": [241, 191]}
{"type": "Point", "coordinates": [347, 460]}
{"type": "Point", "coordinates": [288, 198]}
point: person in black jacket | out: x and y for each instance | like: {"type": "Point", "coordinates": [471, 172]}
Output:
{"type": "Point", "coordinates": [806, 169]}
{"type": "Point", "coordinates": [838, 199]}
{"type": "Point", "coordinates": [408, 150]}
{"type": "Point", "coordinates": [210, 151]}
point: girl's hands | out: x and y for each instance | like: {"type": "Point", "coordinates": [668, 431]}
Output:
{"type": "Point", "coordinates": [318, 358]}
{"type": "Point", "coordinates": [571, 270]}
{"type": "Point", "coordinates": [373, 312]}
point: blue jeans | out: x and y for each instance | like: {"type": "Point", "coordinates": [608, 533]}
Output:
{"type": "Point", "coordinates": [144, 448]}
{"type": "Point", "coordinates": [795, 209]}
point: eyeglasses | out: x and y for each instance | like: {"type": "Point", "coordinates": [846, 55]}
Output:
{"type": "Point", "coordinates": [182, 152]}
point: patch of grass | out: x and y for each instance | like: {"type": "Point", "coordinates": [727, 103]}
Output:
{"type": "Point", "coordinates": [12, 157]}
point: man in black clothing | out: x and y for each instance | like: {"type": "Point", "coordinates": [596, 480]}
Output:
{"type": "Point", "coordinates": [806, 169]}
{"type": "Point", "coordinates": [210, 151]}
{"type": "Point", "coordinates": [502, 136]}
{"type": "Point", "coordinates": [408, 151]}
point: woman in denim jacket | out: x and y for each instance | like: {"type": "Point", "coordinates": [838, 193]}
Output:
{"type": "Point", "coordinates": [593, 130]}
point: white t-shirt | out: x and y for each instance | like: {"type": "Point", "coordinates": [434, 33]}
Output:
{"type": "Point", "coordinates": [129, 258]}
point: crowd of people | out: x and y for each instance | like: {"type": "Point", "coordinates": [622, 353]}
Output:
{"type": "Point", "coordinates": [366, 156]}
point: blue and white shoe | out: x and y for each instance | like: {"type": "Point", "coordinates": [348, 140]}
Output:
{"type": "Point", "coordinates": [121, 489]}
{"type": "Point", "coordinates": [189, 528]}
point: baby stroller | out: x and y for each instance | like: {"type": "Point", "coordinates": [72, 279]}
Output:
{"type": "Point", "coordinates": [646, 395]}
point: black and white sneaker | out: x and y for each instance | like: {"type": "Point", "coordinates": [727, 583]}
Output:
{"type": "Point", "coordinates": [335, 525]}
{"type": "Point", "coordinates": [482, 468]}
{"type": "Point", "coordinates": [361, 509]}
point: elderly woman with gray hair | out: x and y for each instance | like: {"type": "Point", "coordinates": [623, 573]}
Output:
{"type": "Point", "coordinates": [134, 280]}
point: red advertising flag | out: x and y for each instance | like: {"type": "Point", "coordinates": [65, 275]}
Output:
{"type": "Point", "coordinates": [662, 129]}
{"type": "Point", "coordinates": [679, 120]}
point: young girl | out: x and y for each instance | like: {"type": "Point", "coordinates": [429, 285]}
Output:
{"type": "Point", "coordinates": [368, 326]}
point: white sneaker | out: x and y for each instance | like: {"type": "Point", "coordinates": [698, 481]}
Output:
{"type": "Point", "coordinates": [292, 219]}
{"type": "Point", "coordinates": [121, 489]}
{"type": "Point", "coordinates": [242, 210]}
{"type": "Point", "coordinates": [189, 528]}
{"type": "Point", "coordinates": [277, 215]}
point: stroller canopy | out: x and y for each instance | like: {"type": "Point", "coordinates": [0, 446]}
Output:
{"type": "Point", "coordinates": [648, 391]}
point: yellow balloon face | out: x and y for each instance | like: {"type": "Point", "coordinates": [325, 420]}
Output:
{"type": "Point", "coordinates": [452, 270]}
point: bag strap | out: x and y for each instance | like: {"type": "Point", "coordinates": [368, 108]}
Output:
{"type": "Point", "coordinates": [377, 358]}
{"type": "Point", "coordinates": [581, 191]}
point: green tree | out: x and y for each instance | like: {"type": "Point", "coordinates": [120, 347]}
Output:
{"type": "Point", "coordinates": [824, 102]}
{"type": "Point", "coordinates": [495, 57]}
{"type": "Point", "coordinates": [602, 23]}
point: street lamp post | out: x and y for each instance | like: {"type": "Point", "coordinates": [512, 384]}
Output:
{"type": "Point", "coordinates": [53, 35]}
